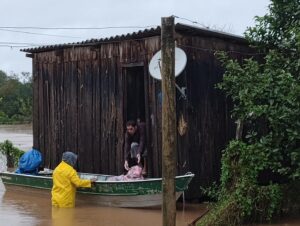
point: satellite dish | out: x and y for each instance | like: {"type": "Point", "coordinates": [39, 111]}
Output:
{"type": "Point", "coordinates": [155, 63]}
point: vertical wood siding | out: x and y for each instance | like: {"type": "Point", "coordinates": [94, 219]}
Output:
{"type": "Point", "coordinates": [79, 105]}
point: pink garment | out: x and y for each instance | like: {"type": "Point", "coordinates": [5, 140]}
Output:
{"type": "Point", "coordinates": [134, 173]}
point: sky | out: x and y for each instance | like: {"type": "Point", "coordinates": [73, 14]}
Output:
{"type": "Point", "coordinates": [232, 16]}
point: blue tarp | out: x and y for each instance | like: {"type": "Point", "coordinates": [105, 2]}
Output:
{"type": "Point", "coordinates": [30, 162]}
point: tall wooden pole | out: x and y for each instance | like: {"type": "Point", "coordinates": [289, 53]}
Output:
{"type": "Point", "coordinates": [168, 121]}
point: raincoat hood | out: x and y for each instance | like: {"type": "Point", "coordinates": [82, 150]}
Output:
{"type": "Point", "coordinates": [70, 158]}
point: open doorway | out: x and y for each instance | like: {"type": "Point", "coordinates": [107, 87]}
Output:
{"type": "Point", "coordinates": [135, 95]}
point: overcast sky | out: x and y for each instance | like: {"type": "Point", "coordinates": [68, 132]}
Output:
{"type": "Point", "coordinates": [232, 16]}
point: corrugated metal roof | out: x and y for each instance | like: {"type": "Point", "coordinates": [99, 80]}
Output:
{"type": "Point", "coordinates": [180, 28]}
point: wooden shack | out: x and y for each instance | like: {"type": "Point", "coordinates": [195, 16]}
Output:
{"type": "Point", "coordinates": [85, 92]}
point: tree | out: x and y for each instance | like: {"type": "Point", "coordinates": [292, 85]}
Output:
{"type": "Point", "coordinates": [3, 77]}
{"type": "Point", "coordinates": [265, 163]}
{"type": "Point", "coordinates": [16, 97]}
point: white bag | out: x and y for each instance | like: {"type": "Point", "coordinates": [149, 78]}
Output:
{"type": "Point", "coordinates": [3, 162]}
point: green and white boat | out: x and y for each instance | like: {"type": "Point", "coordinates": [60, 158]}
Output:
{"type": "Point", "coordinates": [135, 193]}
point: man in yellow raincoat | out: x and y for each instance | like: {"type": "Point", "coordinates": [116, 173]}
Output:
{"type": "Point", "coordinates": [65, 182]}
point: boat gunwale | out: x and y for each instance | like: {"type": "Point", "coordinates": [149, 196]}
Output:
{"type": "Point", "coordinates": [188, 175]}
{"type": "Point", "coordinates": [78, 191]}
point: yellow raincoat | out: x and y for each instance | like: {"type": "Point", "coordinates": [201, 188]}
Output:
{"type": "Point", "coordinates": [65, 181]}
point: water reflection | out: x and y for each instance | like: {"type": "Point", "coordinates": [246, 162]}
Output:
{"type": "Point", "coordinates": [63, 216]}
{"type": "Point", "coordinates": [12, 213]}
{"type": "Point", "coordinates": [25, 207]}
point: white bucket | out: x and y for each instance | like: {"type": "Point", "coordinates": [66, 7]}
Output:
{"type": "Point", "coordinates": [3, 162]}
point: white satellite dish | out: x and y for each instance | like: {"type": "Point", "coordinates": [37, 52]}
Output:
{"type": "Point", "coordinates": [180, 63]}
{"type": "Point", "coordinates": [155, 63]}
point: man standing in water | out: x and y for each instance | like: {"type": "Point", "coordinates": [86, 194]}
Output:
{"type": "Point", "coordinates": [135, 135]}
{"type": "Point", "coordinates": [65, 182]}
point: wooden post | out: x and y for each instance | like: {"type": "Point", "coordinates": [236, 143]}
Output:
{"type": "Point", "coordinates": [168, 121]}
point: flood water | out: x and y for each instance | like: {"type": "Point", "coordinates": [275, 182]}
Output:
{"type": "Point", "coordinates": [27, 207]}
{"type": "Point", "coordinates": [20, 135]}
{"type": "Point", "coordinates": [24, 207]}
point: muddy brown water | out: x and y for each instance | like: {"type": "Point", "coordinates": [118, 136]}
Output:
{"type": "Point", "coordinates": [33, 207]}
{"type": "Point", "coordinates": [27, 207]}
{"type": "Point", "coordinates": [20, 135]}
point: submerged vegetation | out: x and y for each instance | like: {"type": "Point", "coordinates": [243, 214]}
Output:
{"type": "Point", "coordinates": [15, 98]}
{"type": "Point", "coordinates": [261, 168]}
{"type": "Point", "coordinates": [12, 153]}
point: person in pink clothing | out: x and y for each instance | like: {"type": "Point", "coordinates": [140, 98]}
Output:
{"type": "Point", "coordinates": [135, 172]}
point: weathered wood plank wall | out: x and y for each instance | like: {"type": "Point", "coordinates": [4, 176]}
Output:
{"type": "Point", "coordinates": [80, 105]}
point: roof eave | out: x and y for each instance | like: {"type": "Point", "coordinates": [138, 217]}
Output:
{"type": "Point", "coordinates": [179, 28]}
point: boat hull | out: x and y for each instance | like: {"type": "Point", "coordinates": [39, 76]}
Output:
{"type": "Point", "coordinates": [131, 201]}
{"type": "Point", "coordinates": [140, 193]}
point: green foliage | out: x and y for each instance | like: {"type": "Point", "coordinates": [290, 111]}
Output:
{"type": "Point", "coordinates": [225, 213]}
{"type": "Point", "coordinates": [266, 98]}
{"type": "Point", "coordinates": [279, 29]}
{"type": "Point", "coordinates": [246, 203]}
{"type": "Point", "coordinates": [13, 153]}
{"type": "Point", "coordinates": [241, 165]}
{"type": "Point", "coordinates": [213, 191]}
{"type": "Point", "coordinates": [15, 98]}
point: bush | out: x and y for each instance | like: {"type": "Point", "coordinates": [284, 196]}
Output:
{"type": "Point", "coordinates": [13, 153]}
{"type": "Point", "coordinates": [261, 170]}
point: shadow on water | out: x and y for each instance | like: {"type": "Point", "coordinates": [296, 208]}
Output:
{"type": "Point", "coordinates": [25, 207]}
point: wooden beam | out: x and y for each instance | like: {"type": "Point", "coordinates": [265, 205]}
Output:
{"type": "Point", "coordinates": [30, 55]}
{"type": "Point", "coordinates": [139, 64]}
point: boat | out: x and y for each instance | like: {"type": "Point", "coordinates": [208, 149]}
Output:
{"type": "Point", "coordinates": [135, 193]}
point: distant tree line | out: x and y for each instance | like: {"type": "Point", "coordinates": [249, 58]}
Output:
{"type": "Point", "coordinates": [15, 98]}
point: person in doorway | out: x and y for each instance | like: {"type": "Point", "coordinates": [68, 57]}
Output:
{"type": "Point", "coordinates": [135, 135]}
{"type": "Point", "coordinates": [65, 182]}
